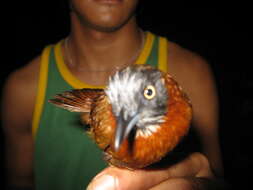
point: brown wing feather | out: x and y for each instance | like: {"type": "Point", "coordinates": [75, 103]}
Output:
{"type": "Point", "coordinates": [78, 100]}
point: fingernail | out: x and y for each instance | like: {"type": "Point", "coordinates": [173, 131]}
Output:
{"type": "Point", "coordinates": [103, 182]}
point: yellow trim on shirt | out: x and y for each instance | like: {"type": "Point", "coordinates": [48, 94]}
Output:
{"type": "Point", "coordinates": [65, 72]}
{"type": "Point", "coordinates": [146, 49]}
{"type": "Point", "coordinates": [42, 84]}
{"type": "Point", "coordinates": [163, 53]}
{"type": "Point", "coordinates": [76, 83]}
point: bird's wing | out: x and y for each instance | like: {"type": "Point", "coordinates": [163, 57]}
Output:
{"type": "Point", "coordinates": [78, 100]}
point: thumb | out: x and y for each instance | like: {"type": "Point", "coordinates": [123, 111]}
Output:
{"type": "Point", "coordinates": [104, 181]}
{"type": "Point", "coordinates": [113, 178]}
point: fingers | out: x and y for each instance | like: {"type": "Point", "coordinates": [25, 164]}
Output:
{"type": "Point", "coordinates": [196, 165]}
{"type": "Point", "coordinates": [192, 183]}
{"type": "Point", "coordinates": [172, 184]}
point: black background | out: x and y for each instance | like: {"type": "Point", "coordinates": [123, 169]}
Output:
{"type": "Point", "coordinates": [217, 30]}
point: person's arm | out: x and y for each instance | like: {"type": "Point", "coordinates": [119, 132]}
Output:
{"type": "Point", "coordinates": [16, 115]}
{"type": "Point", "coordinates": [203, 94]}
{"type": "Point", "coordinates": [195, 76]}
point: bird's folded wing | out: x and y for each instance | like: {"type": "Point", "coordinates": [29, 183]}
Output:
{"type": "Point", "coordinates": [78, 100]}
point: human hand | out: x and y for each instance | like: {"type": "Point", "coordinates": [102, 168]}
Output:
{"type": "Point", "coordinates": [180, 175]}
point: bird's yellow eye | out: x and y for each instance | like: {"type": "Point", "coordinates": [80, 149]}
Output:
{"type": "Point", "coordinates": [149, 92]}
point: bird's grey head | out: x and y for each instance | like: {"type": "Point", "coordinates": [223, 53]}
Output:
{"type": "Point", "coordinates": [139, 100]}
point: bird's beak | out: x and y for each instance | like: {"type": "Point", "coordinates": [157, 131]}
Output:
{"type": "Point", "coordinates": [123, 129]}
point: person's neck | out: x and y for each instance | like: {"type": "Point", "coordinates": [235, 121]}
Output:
{"type": "Point", "coordinates": [93, 50]}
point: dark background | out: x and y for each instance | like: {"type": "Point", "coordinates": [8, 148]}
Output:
{"type": "Point", "coordinates": [217, 30]}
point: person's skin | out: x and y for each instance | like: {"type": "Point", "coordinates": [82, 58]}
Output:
{"type": "Point", "coordinates": [104, 34]}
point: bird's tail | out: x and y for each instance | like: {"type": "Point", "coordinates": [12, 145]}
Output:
{"type": "Point", "coordinates": [78, 100]}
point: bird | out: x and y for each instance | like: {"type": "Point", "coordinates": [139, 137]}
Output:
{"type": "Point", "coordinates": [137, 119]}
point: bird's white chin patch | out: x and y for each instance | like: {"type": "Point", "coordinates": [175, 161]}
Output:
{"type": "Point", "coordinates": [146, 131]}
{"type": "Point", "coordinates": [146, 120]}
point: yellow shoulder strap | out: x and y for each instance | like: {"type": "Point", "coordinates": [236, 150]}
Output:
{"type": "Point", "coordinates": [163, 54]}
{"type": "Point", "coordinates": [41, 89]}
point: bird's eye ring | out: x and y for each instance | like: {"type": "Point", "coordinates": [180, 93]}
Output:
{"type": "Point", "coordinates": [149, 92]}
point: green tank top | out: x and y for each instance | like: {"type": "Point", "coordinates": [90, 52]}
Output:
{"type": "Point", "coordinates": [65, 157]}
